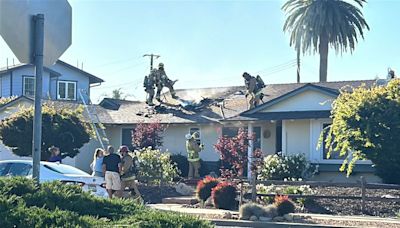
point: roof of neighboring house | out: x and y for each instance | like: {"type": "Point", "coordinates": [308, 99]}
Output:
{"type": "Point", "coordinates": [92, 79]}
{"type": "Point", "coordinates": [5, 70]}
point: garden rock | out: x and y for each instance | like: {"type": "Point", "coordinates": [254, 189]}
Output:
{"type": "Point", "coordinates": [278, 219]}
{"type": "Point", "coordinates": [208, 202]}
{"type": "Point", "coordinates": [265, 219]}
{"type": "Point", "coordinates": [227, 215]}
{"type": "Point", "coordinates": [184, 189]}
{"type": "Point", "coordinates": [288, 217]}
{"type": "Point", "coordinates": [253, 218]}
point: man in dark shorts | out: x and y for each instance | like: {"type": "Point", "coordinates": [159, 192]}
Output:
{"type": "Point", "coordinates": [112, 170]}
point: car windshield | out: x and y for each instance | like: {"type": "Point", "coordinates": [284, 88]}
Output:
{"type": "Point", "coordinates": [65, 169]}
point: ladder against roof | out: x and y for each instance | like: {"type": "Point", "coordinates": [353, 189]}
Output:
{"type": "Point", "coordinates": [94, 119]}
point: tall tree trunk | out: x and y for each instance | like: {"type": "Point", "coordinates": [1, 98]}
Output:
{"type": "Point", "coordinates": [298, 65]}
{"type": "Point", "coordinates": [323, 58]}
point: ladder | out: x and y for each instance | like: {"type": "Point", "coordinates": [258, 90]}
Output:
{"type": "Point", "coordinates": [94, 119]}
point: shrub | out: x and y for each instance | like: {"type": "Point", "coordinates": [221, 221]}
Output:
{"type": "Point", "coordinates": [62, 127]}
{"type": "Point", "coordinates": [366, 122]}
{"type": "Point", "coordinates": [14, 213]}
{"type": "Point", "coordinates": [204, 187]}
{"type": "Point", "coordinates": [181, 163]}
{"type": "Point", "coordinates": [277, 167]}
{"type": "Point", "coordinates": [224, 196]}
{"type": "Point", "coordinates": [284, 204]}
{"type": "Point", "coordinates": [283, 190]}
{"type": "Point", "coordinates": [233, 151]}
{"type": "Point", "coordinates": [249, 209]}
{"type": "Point", "coordinates": [155, 166]}
{"type": "Point", "coordinates": [159, 219]}
{"type": "Point", "coordinates": [147, 135]}
{"type": "Point", "coordinates": [59, 205]}
{"type": "Point", "coordinates": [54, 195]}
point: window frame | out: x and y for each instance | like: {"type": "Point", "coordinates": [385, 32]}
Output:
{"type": "Point", "coordinates": [24, 77]}
{"type": "Point", "coordinates": [314, 138]}
{"type": "Point", "coordinates": [67, 82]}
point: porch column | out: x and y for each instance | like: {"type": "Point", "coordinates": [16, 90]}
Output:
{"type": "Point", "coordinates": [250, 150]}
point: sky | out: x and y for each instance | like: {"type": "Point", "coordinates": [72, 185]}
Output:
{"type": "Point", "coordinates": [211, 44]}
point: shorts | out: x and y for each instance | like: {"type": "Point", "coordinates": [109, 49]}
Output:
{"type": "Point", "coordinates": [113, 181]}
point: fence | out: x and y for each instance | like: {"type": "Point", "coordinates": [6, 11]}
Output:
{"type": "Point", "coordinates": [362, 184]}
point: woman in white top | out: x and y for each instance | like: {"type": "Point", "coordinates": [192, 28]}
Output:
{"type": "Point", "coordinates": [97, 163]}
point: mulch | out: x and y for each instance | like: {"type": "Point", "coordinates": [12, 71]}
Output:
{"type": "Point", "coordinates": [352, 207]}
{"type": "Point", "coordinates": [155, 194]}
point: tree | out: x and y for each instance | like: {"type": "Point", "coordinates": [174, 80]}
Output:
{"type": "Point", "coordinates": [118, 94]}
{"type": "Point", "coordinates": [233, 153]}
{"type": "Point", "coordinates": [63, 128]}
{"type": "Point", "coordinates": [315, 24]}
{"type": "Point", "coordinates": [366, 125]}
{"type": "Point", "coordinates": [147, 135]}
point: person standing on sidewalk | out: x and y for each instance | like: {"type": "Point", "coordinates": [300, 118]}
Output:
{"type": "Point", "coordinates": [112, 170]}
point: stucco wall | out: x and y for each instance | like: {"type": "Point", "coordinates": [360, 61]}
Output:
{"type": "Point", "coordinates": [305, 101]}
{"type": "Point", "coordinates": [174, 138]}
{"type": "Point", "coordinates": [296, 137]}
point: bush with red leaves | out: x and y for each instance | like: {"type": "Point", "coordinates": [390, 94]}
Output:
{"type": "Point", "coordinates": [204, 187]}
{"type": "Point", "coordinates": [284, 204]}
{"type": "Point", "coordinates": [224, 196]}
{"type": "Point", "coordinates": [147, 135]}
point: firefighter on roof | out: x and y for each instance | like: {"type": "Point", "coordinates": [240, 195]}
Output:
{"type": "Point", "coordinates": [148, 84]}
{"type": "Point", "coordinates": [254, 86]}
{"type": "Point", "coordinates": [162, 81]}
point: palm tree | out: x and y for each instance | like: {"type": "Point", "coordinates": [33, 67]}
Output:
{"type": "Point", "coordinates": [315, 24]}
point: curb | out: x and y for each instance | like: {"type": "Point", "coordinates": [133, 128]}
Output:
{"type": "Point", "coordinates": [259, 224]}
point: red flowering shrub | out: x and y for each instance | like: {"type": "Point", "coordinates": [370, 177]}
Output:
{"type": "Point", "coordinates": [233, 152]}
{"type": "Point", "coordinates": [224, 196]}
{"type": "Point", "coordinates": [204, 187]}
{"type": "Point", "coordinates": [284, 205]}
{"type": "Point", "coordinates": [147, 135]}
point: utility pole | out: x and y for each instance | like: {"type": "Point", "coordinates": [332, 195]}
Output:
{"type": "Point", "coordinates": [151, 59]}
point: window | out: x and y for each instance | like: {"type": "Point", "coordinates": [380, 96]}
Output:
{"type": "Point", "coordinates": [193, 130]}
{"type": "Point", "coordinates": [233, 132]}
{"type": "Point", "coordinates": [66, 90]}
{"type": "Point", "coordinates": [127, 138]}
{"type": "Point", "coordinates": [20, 169]}
{"type": "Point", "coordinates": [334, 155]}
{"type": "Point", "coordinates": [29, 86]}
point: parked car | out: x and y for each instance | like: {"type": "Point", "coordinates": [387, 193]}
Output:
{"type": "Point", "coordinates": [51, 171]}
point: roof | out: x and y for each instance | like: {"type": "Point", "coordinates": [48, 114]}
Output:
{"type": "Point", "coordinates": [92, 79]}
{"type": "Point", "coordinates": [5, 70]}
{"type": "Point", "coordinates": [222, 103]}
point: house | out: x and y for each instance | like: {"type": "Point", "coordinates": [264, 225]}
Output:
{"type": "Point", "coordinates": [61, 81]}
{"type": "Point", "coordinates": [63, 85]}
{"type": "Point", "coordinates": [290, 120]}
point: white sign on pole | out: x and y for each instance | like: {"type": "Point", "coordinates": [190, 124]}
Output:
{"type": "Point", "coordinates": [16, 27]}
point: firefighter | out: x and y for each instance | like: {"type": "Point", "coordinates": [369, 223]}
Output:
{"type": "Point", "coordinates": [148, 84]}
{"type": "Point", "coordinates": [253, 89]}
{"type": "Point", "coordinates": [162, 81]}
{"type": "Point", "coordinates": [128, 171]}
{"type": "Point", "coordinates": [193, 147]}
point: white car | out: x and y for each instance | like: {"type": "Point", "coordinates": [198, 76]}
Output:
{"type": "Point", "coordinates": [51, 171]}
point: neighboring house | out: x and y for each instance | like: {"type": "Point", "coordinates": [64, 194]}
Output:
{"type": "Point", "coordinates": [290, 121]}
{"type": "Point", "coordinates": [62, 85]}
{"type": "Point", "coordinates": [61, 81]}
